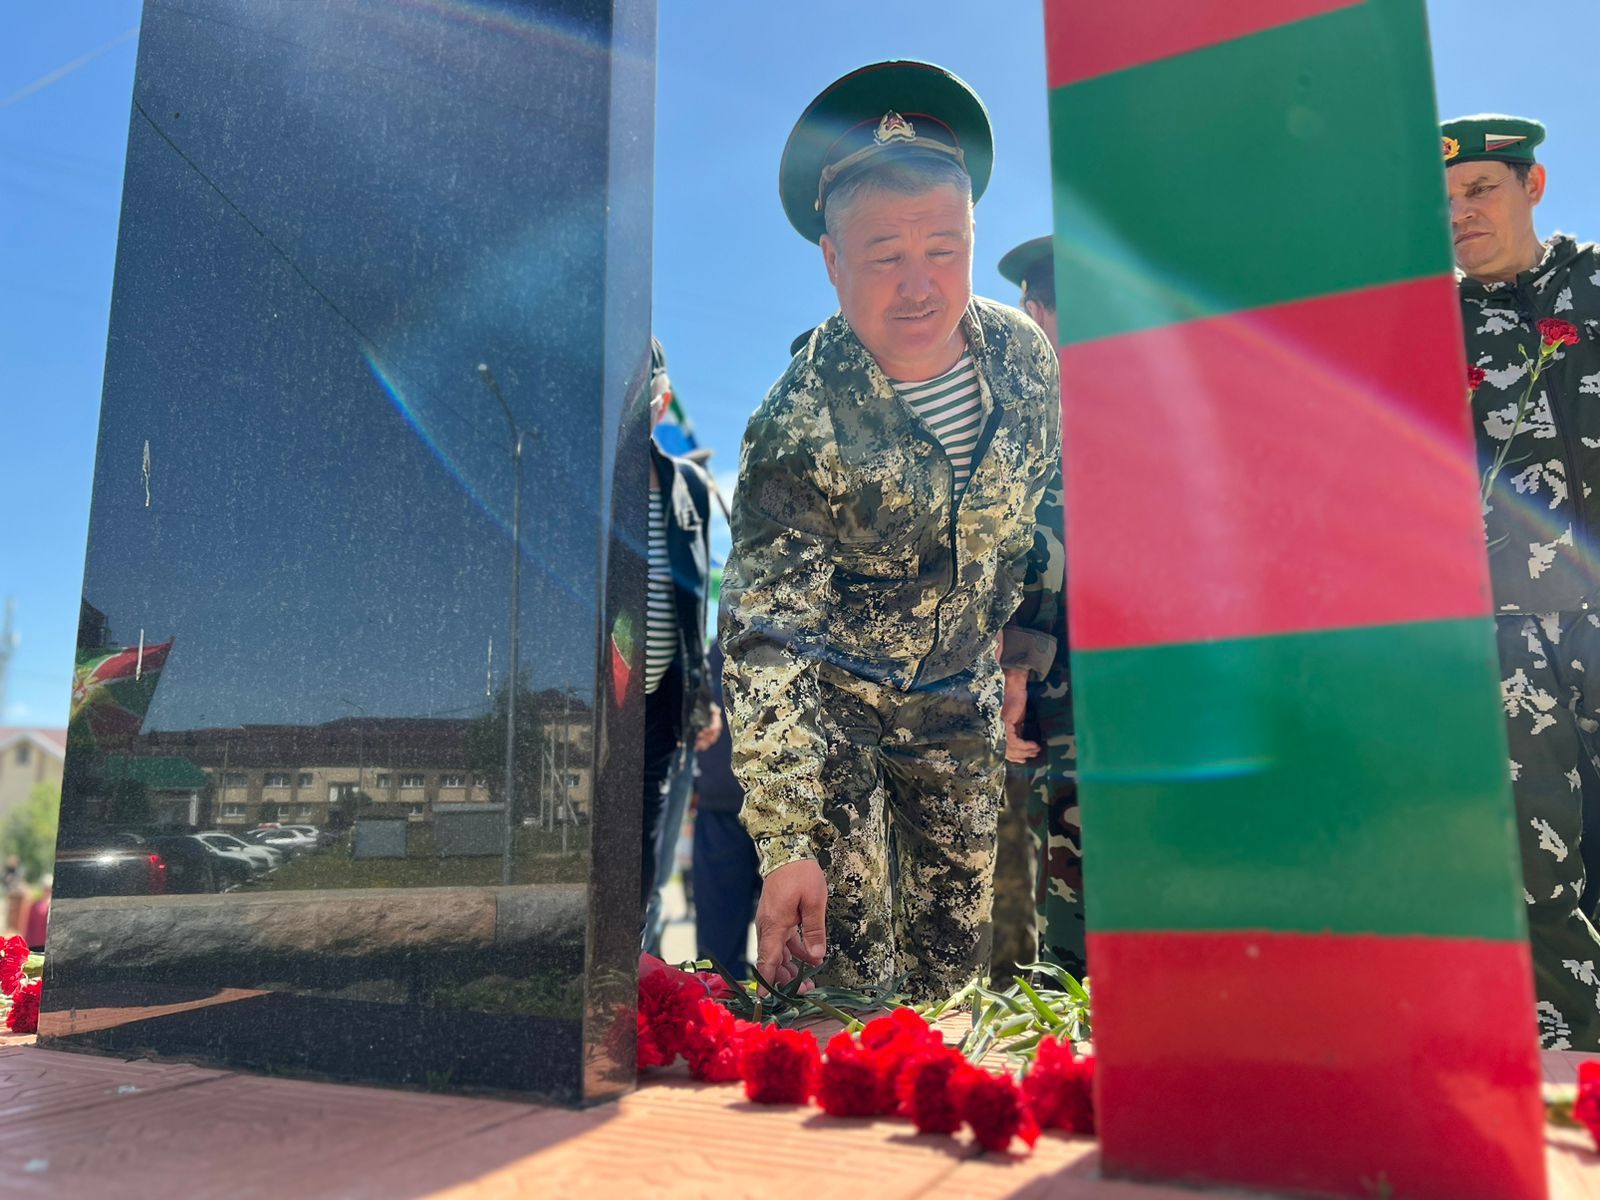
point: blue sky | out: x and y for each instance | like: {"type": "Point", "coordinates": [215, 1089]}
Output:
{"type": "Point", "coordinates": [732, 282]}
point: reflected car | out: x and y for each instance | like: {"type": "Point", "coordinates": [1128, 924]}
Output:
{"type": "Point", "coordinates": [108, 864]}
{"type": "Point", "coordinates": [291, 841]}
{"type": "Point", "coordinates": [193, 867]}
{"type": "Point", "coordinates": [260, 859]}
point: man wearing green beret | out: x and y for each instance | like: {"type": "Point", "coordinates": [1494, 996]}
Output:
{"type": "Point", "coordinates": [881, 529]}
{"type": "Point", "coordinates": [1530, 308]}
{"type": "Point", "coordinates": [1038, 886]}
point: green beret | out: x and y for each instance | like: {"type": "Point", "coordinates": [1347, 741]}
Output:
{"type": "Point", "coordinates": [898, 108]}
{"type": "Point", "coordinates": [799, 343]}
{"type": "Point", "coordinates": [1029, 264]}
{"type": "Point", "coordinates": [1490, 137]}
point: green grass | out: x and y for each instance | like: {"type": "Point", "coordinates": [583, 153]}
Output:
{"type": "Point", "coordinates": [538, 859]}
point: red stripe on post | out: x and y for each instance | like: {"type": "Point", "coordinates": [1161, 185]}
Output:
{"type": "Point", "coordinates": [1306, 466]}
{"type": "Point", "coordinates": [1319, 1063]}
{"type": "Point", "coordinates": [1097, 39]}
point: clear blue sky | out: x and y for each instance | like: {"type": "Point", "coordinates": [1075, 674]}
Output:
{"type": "Point", "coordinates": [733, 283]}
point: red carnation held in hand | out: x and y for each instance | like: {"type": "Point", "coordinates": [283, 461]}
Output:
{"type": "Point", "coordinates": [24, 1014]}
{"type": "Point", "coordinates": [1557, 332]}
{"type": "Point", "coordinates": [1060, 1088]}
{"type": "Point", "coordinates": [1475, 377]}
{"type": "Point", "coordinates": [779, 1066]}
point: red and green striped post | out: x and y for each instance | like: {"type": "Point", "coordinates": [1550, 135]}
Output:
{"type": "Point", "coordinates": [1306, 920]}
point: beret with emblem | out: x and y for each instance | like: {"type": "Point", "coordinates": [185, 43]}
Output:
{"type": "Point", "coordinates": [1490, 137]}
{"type": "Point", "coordinates": [1029, 264]}
{"type": "Point", "coordinates": [897, 108]}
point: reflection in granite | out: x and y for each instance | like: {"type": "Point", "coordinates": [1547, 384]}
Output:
{"type": "Point", "coordinates": [363, 247]}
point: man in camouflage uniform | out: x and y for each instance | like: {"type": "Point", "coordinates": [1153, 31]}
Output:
{"type": "Point", "coordinates": [878, 552]}
{"type": "Point", "coordinates": [1540, 464]}
{"type": "Point", "coordinates": [1038, 902]}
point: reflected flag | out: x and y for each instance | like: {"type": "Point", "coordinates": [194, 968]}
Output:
{"type": "Point", "coordinates": [674, 434]}
{"type": "Point", "coordinates": [112, 687]}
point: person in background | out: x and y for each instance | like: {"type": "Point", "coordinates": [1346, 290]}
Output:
{"type": "Point", "coordinates": [727, 876]}
{"type": "Point", "coordinates": [1038, 890]}
{"type": "Point", "coordinates": [679, 568]}
{"type": "Point", "coordinates": [1529, 303]}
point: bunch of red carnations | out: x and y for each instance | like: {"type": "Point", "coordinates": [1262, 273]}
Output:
{"type": "Point", "coordinates": [21, 993]}
{"type": "Point", "coordinates": [897, 1065]}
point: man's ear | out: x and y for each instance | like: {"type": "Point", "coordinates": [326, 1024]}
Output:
{"type": "Point", "coordinates": [830, 256]}
{"type": "Point", "coordinates": [1034, 309]}
{"type": "Point", "coordinates": [1535, 184]}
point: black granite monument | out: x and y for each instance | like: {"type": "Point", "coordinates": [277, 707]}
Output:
{"type": "Point", "coordinates": [352, 774]}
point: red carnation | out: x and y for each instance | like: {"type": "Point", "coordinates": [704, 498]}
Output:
{"type": "Point", "coordinates": [1475, 377]}
{"type": "Point", "coordinates": [715, 1043]}
{"type": "Point", "coordinates": [924, 1090]}
{"type": "Point", "coordinates": [994, 1107]}
{"type": "Point", "coordinates": [848, 1082]}
{"type": "Point", "coordinates": [1060, 1088]}
{"type": "Point", "coordinates": [891, 1041]}
{"type": "Point", "coordinates": [24, 1014]}
{"type": "Point", "coordinates": [1556, 332]}
{"type": "Point", "coordinates": [13, 956]}
{"type": "Point", "coordinates": [779, 1066]}
{"type": "Point", "coordinates": [1587, 1109]}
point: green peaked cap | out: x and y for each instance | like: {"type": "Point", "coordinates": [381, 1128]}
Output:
{"type": "Point", "coordinates": [1026, 265]}
{"type": "Point", "coordinates": [1490, 137]}
{"type": "Point", "coordinates": [901, 107]}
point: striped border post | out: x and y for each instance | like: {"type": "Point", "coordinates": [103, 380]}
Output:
{"type": "Point", "coordinates": [1306, 921]}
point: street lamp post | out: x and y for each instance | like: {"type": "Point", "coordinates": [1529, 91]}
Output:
{"type": "Point", "coordinates": [361, 754]}
{"type": "Point", "coordinates": [517, 435]}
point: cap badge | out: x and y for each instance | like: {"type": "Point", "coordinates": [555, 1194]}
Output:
{"type": "Point", "coordinates": [894, 128]}
{"type": "Point", "coordinates": [1451, 148]}
{"type": "Point", "coordinates": [1499, 141]}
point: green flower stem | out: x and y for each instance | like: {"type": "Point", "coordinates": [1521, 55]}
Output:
{"type": "Point", "coordinates": [1547, 351]}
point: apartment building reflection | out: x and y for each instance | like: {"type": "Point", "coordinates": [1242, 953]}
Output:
{"type": "Point", "coordinates": [327, 774]}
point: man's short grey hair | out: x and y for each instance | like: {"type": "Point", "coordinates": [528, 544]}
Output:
{"type": "Point", "coordinates": [908, 176]}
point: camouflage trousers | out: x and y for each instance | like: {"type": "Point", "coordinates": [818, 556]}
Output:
{"type": "Point", "coordinates": [913, 784]}
{"type": "Point", "coordinates": [1551, 720]}
{"type": "Point", "coordinates": [1038, 886]}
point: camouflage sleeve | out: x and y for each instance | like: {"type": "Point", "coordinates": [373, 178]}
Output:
{"type": "Point", "coordinates": [1030, 640]}
{"type": "Point", "coordinates": [774, 612]}
{"type": "Point", "coordinates": [1029, 637]}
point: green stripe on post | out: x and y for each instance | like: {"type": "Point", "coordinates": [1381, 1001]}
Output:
{"type": "Point", "coordinates": [1352, 781]}
{"type": "Point", "coordinates": [1296, 162]}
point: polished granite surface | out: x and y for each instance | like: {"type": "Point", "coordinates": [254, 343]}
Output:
{"type": "Point", "coordinates": [381, 314]}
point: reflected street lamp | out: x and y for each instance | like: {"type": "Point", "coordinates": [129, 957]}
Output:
{"type": "Point", "coordinates": [517, 435]}
{"type": "Point", "coordinates": [361, 753]}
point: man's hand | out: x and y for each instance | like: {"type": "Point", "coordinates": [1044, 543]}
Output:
{"type": "Point", "coordinates": [708, 736]}
{"type": "Point", "coordinates": [791, 921]}
{"type": "Point", "coordinates": [1012, 710]}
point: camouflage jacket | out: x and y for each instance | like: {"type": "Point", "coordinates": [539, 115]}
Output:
{"type": "Point", "coordinates": [1044, 606]}
{"type": "Point", "coordinates": [1544, 508]}
{"type": "Point", "coordinates": [848, 550]}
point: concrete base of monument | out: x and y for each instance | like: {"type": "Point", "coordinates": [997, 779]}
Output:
{"type": "Point", "coordinates": [122, 932]}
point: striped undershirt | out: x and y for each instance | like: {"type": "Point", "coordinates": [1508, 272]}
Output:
{"type": "Point", "coordinates": [661, 617]}
{"type": "Point", "coordinates": [949, 406]}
